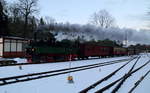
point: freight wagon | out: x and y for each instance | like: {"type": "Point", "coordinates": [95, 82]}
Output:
{"type": "Point", "coordinates": [119, 51]}
{"type": "Point", "coordinates": [91, 50]}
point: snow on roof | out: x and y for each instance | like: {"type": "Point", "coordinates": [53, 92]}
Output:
{"type": "Point", "coordinates": [17, 38]}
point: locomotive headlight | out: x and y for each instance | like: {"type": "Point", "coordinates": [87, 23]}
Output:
{"type": "Point", "coordinates": [33, 49]}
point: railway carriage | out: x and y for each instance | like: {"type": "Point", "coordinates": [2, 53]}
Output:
{"type": "Point", "coordinates": [119, 51]}
{"type": "Point", "coordinates": [91, 50]}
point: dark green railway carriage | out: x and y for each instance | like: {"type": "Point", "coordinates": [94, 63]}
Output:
{"type": "Point", "coordinates": [51, 54]}
{"type": "Point", "coordinates": [52, 50]}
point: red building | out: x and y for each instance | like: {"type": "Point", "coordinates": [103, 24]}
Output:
{"type": "Point", "coordinates": [12, 47]}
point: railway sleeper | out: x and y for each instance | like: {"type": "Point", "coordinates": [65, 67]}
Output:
{"type": "Point", "coordinates": [4, 81]}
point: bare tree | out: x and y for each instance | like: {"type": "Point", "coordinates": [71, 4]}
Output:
{"type": "Point", "coordinates": [27, 8]}
{"type": "Point", "coordinates": [14, 12]}
{"type": "Point", "coordinates": [102, 19]}
{"type": "Point", "coordinates": [3, 19]}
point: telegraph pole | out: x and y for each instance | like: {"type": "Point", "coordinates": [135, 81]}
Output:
{"type": "Point", "coordinates": [126, 39]}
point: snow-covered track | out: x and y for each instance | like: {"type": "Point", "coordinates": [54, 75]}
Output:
{"type": "Point", "coordinates": [125, 77]}
{"type": "Point", "coordinates": [138, 82]}
{"type": "Point", "coordinates": [33, 76]}
{"type": "Point", "coordinates": [121, 78]}
{"type": "Point", "coordinates": [105, 78]}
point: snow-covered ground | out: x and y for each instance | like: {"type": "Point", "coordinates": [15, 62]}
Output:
{"type": "Point", "coordinates": [19, 60]}
{"type": "Point", "coordinates": [82, 79]}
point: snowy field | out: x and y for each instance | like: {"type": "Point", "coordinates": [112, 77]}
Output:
{"type": "Point", "coordinates": [82, 79]}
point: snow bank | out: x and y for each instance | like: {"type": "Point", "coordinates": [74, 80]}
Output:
{"type": "Point", "coordinates": [20, 60]}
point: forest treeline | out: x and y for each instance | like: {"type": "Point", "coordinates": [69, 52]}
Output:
{"type": "Point", "coordinates": [20, 19]}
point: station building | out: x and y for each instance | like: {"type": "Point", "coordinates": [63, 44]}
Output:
{"type": "Point", "coordinates": [12, 47]}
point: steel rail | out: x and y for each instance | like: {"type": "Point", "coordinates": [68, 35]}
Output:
{"type": "Point", "coordinates": [116, 81]}
{"type": "Point", "coordinates": [104, 79]}
{"type": "Point", "coordinates": [125, 77]}
{"type": "Point", "coordinates": [27, 77]}
{"type": "Point", "coordinates": [138, 82]}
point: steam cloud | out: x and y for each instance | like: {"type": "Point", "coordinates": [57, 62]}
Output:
{"type": "Point", "coordinates": [89, 32]}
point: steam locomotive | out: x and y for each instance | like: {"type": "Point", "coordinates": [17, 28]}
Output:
{"type": "Point", "coordinates": [47, 51]}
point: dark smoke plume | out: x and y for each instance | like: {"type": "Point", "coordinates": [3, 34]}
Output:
{"type": "Point", "coordinates": [91, 32]}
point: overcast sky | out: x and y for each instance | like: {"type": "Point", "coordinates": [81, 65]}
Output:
{"type": "Point", "coordinates": [128, 13]}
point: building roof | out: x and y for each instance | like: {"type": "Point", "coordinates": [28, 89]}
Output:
{"type": "Point", "coordinates": [14, 38]}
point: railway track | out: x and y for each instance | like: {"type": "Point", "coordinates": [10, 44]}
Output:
{"type": "Point", "coordinates": [104, 79]}
{"type": "Point", "coordinates": [138, 82]}
{"type": "Point", "coordinates": [20, 64]}
{"type": "Point", "coordinates": [33, 76]}
{"type": "Point", "coordinates": [123, 78]}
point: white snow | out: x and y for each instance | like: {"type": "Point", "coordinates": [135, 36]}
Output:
{"type": "Point", "coordinates": [82, 79]}
{"type": "Point", "coordinates": [19, 60]}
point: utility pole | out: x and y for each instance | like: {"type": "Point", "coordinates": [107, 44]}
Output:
{"type": "Point", "coordinates": [126, 39]}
